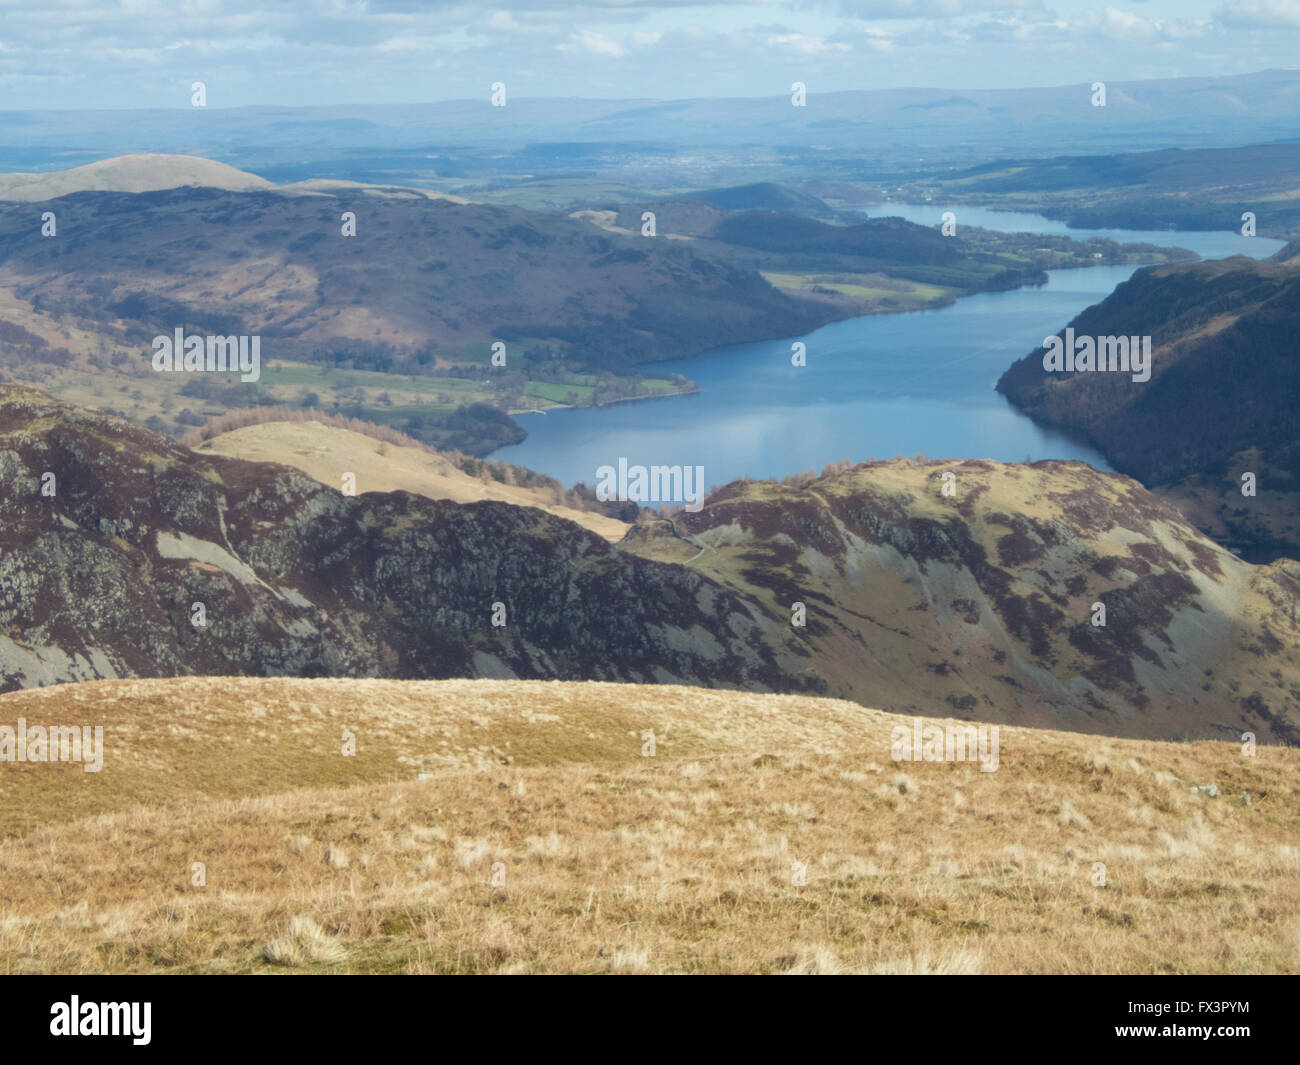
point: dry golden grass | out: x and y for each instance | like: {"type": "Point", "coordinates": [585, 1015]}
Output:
{"type": "Point", "coordinates": [129, 173]}
{"type": "Point", "coordinates": [325, 453]}
{"type": "Point", "coordinates": [545, 841]}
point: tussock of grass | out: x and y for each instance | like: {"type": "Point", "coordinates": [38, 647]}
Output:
{"type": "Point", "coordinates": [304, 944]}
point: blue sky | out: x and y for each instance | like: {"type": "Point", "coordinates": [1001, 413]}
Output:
{"type": "Point", "coordinates": [146, 53]}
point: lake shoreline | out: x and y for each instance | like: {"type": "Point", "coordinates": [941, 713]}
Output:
{"type": "Point", "coordinates": [874, 385]}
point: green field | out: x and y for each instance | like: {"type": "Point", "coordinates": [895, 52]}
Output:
{"type": "Point", "coordinates": [287, 381]}
{"type": "Point", "coordinates": [878, 291]}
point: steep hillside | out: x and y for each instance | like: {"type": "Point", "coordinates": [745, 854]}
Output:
{"type": "Point", "coordinates": [978, 604]}
{"type": "Point", "coordinates": [982, 602]}
{"type": "Point", "coordinates": [506, 827]}
{"type": "Point", "coordinates": [1223, 398]}
{"type": "Point", "coordinates": [99, 576]}
{"type": "Point", "coordinates": [326, 453]}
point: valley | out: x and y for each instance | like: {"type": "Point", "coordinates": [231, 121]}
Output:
{"type": "Point", "coordinates": [646, 489]}
{"type": "Point", "coordinates": [400, 316]}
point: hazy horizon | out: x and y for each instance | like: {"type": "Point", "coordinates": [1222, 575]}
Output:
{"type": "Point", "coordinates": [777, 93]}
{"type": "Point", "coordinates": [81, 55]}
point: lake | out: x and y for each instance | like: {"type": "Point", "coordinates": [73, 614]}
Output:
{"type": "Point", "coordinates": [1208, 245]}
{"type": "Point", "coordinates": [873, 387]}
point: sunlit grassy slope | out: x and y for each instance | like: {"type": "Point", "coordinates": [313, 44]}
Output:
{"type": "Point", "coordinates": [760, 833]}
{"type": "Point", "coordinates": [326, 453]}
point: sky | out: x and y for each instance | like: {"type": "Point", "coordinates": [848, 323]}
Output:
{"type": "Point", "coordinates": [86, 54]}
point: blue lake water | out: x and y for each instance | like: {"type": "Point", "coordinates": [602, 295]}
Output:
{"type": "Point", "coordinates": [1208, 245]}
{"type": "Point", "coordinates": [873, 387]}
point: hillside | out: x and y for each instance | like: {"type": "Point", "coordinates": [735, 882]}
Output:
{"type": "Point", "coordinates": [429, 281]}
{"type": "Point", "coordinates": [982, 603]}
{"type": "Point", "coordinates": [324, 452]}
{"type": "Point", "coordinates": [420, 275]}
{"type": "Point", "coordinates": [101, 578]}
{"type": "Point", "coordinates": [764, 196]}
{"type": "Point", "coordinates": [422, 298]}
{"type": "Point", "coordinates": [871, 250]}
{"type": "Point", "coordinates": [418, 299]}
{"type": "Point", "coordinates": [129, 173]}
{"type": "Point", "coordinates": [155, 171]}
{"type": "Point", "coordinates": [1179, 188]}
{"type": "Point", "coordinates": [1223, 398]}
{"type": "Point", "coordinates": [546, 839]}
{"type": "Point", "coordinates": [979, 604]}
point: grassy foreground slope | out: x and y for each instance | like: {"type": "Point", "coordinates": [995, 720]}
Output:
{"type": "Point", "coordinates": [545, 840]}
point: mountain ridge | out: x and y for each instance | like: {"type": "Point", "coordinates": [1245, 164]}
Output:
{"type": "Point", "coordinates": [987, 596]}
{"type": "Point", "coordinates": [102, 578]}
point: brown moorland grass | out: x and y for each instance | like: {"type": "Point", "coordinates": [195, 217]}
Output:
{"type": "Point", "coordinates": [323, 446]}
{"type": "Point", "coordinates": [544, 840]}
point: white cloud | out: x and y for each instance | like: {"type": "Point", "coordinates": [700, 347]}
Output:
{"type": "Point", "coordinates": [1126, 26]}
{"type": "Point", "coordinates": [1260, 14]}
{"type": "Point", "coordinates": [594, 43]}
{"type": "Point", "coordinates": [134, 52]}
{"type": "Point", "coordinates": [931, 9]}
{"type": "Point", "coordinates": [806, 45]}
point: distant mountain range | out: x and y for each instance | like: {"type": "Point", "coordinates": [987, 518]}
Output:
{"type": "Point", "coordinates": [889, 128]}
{"type": "Point", "coordinates": [979, 604]}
